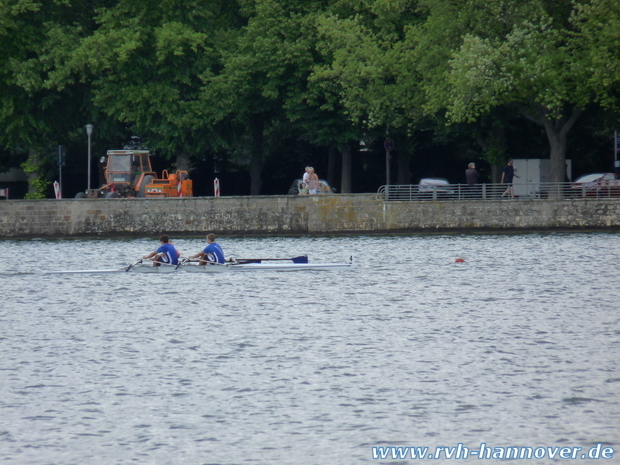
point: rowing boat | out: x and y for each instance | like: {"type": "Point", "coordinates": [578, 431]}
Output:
{"type": "Point", "coordinates": [242, 264]}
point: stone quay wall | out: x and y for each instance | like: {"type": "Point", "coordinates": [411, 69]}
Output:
{"type": "Point", "coordinates": [291, 215]}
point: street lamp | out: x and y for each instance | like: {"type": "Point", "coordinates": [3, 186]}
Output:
{"type": "Point", "coordinates": [89, 131]}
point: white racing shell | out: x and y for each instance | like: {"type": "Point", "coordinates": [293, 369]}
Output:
{"type": "Point", "coordinates": [235, 265]}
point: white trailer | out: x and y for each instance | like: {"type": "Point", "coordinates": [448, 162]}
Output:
{"type": "Point", "coordinates": [533, 172]}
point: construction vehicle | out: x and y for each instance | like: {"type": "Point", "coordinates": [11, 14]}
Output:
{"type": "Point", "coordinates": [128, 173]}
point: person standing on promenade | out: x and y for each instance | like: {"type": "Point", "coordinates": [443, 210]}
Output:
{"type": "Point", "coordinates": [313, 182]}
{"type": "Point", "coordinates": [508, 174]}
{"type": "Point", "coordinates": [471, 175]}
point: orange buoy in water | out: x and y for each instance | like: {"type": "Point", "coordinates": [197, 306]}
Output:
{"type": "Point", "coordinates": [459, 260]}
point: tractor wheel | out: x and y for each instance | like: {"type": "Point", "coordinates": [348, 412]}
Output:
{"type": "Point", "coordinates": [112, 195]}
{"type": "Point", "coordinates": [80, 195]}
{"type": "Point", "coordinates": [146, 181]}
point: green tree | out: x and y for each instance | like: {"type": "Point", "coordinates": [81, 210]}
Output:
{"type": "Point", "coordinates": [521, 54]}
{"type": "Point", "coordinates": [598, 34]}
{"type": "Point", "coordinates": [318, 110]}
{"type": "Point", "coordinates": [366, 66]}
{"type": "Point", "coordinates": [32, 117]}
{"type": "Point", "coordinates": [263, 63]}
{"type": "Point", "coordinates": [144, 61]}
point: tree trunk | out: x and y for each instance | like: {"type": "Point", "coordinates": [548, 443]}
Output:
{"type": "Point", "coordinates": [403, 161]}
{"type": "Point", "coordinates": [33, 163]}
{"type": "Point", "coordinates": [182, 160]}
{"type": "Point", "coordinates": [256, 162]}
{"type": "Point", "coordinates": [496, 173]}
{"type": "Point", "coordinates": [345, 180]}
{"type": "Point", "coordinates": [557, 144]}
{"type": "Point", "coordinates": [557, 134]}
{"type": "Point", "coordinates": [100, 173]}
{"type": "Point", "coordinates": [331, 165]}
{"type": "Point", "coordinates": [494, 148]}
{"type": "Point", "coordinates": [402, 156]}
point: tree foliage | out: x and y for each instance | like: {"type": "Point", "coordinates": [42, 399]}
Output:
{"type": "Point", "coordinates": [597, 25]}
{"type": "Point", "coordinates": [531, 57]}
{"type": "Point", "coordinates": [237, 80]}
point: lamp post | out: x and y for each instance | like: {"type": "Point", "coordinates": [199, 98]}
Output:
{"type": "Point", "coordinates": [89, 131]}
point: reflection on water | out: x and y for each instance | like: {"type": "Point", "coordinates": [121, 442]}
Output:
{"type": "Point", "coordinates": [518, 345]}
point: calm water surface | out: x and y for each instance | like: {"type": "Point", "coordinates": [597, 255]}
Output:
{"type": "Point", "coordinates": [518, 346]}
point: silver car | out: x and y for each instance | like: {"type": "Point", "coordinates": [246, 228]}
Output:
{"type": "Point", "coordinates": [439, 185]}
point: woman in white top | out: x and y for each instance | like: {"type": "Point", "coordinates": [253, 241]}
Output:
{"type": "Point", "coordinates": [313, 181]}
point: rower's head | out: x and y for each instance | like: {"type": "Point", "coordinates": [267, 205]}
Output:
{"type": "Point", "coordinates": [164, 239]}
{"type": "Point", "coordinates": [210, 238]}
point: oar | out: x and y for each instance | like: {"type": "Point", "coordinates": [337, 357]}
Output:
{"type": "Point", "coordinates": [132, 265]}
{"type": "Point", "coordinates": [300, 259]}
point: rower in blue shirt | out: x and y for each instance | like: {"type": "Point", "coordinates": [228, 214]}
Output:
{"type": "Point", "coordinates": [166, 253]}
{"type": "Point", "coordinates": [212, 253]}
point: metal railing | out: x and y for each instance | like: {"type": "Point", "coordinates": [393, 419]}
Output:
{"type": "Point", "coordinates": [521, 191]}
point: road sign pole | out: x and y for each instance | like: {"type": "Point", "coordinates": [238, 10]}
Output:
{"type": "Point", "coordinates": [616, 148]}
{"type": "Point", "coordinates": [389, 146]}
{"type": "Point", "coordinates": [61, 150]}
{"type": "Point", "coordinates": [387, 167]}
{"type": "Point", "coordinates": [89, 131]}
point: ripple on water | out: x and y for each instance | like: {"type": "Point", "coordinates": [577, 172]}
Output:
{"type": "Point", "coordinates": [296, 368]}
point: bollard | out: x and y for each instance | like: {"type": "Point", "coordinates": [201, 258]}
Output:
{"type": "Point", "coordinates": [57, 190]}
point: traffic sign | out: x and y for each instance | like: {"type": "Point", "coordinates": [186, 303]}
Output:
{"type": "Point", "coordinates": [61, 151]}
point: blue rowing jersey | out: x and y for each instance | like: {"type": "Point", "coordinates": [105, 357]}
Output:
{"type": "Point", "coordinates": [170, 254]}
{"type": "Point", "coordinates": [214, 253]}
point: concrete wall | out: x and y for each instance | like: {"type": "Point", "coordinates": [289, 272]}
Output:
{"type": "Point", "coordinates": [277, 215]}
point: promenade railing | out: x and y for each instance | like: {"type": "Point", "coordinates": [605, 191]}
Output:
{"type": "Point", "coordinates": [523, 191]}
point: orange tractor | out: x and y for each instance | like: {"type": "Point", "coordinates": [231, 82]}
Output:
{"type": "Point", "coordinates": [128, 173]}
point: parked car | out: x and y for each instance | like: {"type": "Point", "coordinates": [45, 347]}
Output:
{"type": "Point", "coordinates": [439, 185]}
{"type": "Point", "coordinates": [324, 188]}
{"type": "Point", "coordinates": [597, 185]}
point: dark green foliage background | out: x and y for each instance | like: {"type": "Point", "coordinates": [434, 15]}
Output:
{"type": "Point", "coordinates": [252, 91]}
